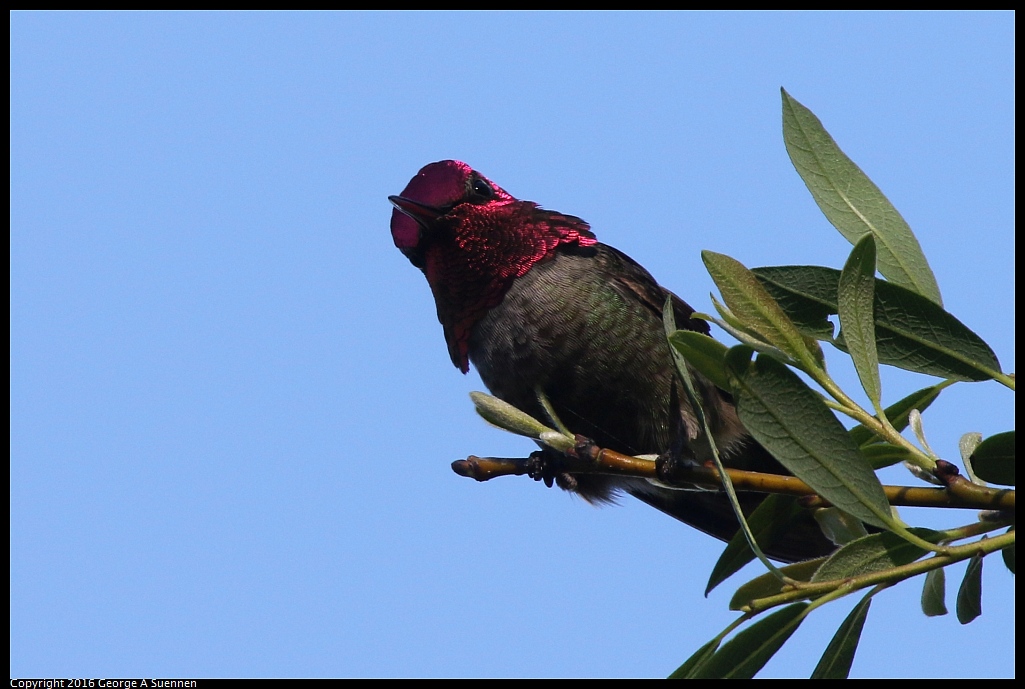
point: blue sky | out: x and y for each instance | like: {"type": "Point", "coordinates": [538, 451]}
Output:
{"type": "Point", "coordinates": [232, 409]}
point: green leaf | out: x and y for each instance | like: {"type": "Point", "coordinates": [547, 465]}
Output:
{"type": "Point", "coordinates": [793, 423]}
{"type": "Point", "coordinates": [852, 203]}
{"type": "Point", "coordinates": [755, 308]}
{"type": "Point", "coordinates": [966, 445]}
{"type": "Point", "coordinates": [1007, 554]}
{"type": "Point", "coordinates": [838, 526]}
{"type": "Point", "coordinates": [873, 553]}
{"type": "Point", "coordinates": [969, 596]}
{"type": "Point", "coordinates": [738, 361]}
{"type": "Point", "coordinates": [934, 592]}
{"type": "Point", "coordinates": [509, 418]}
{"type": "Point", "coordinates": [912, 332]}
{"type": "Point", "coordinates": [897, 413]}
{"type": "Point", "coordinates": [908, 325]}
{"type": "Point", "coordinates": [855, 299]}
{"type": "Point", "coordinates": [769, 584]}
{"type": "Point", "coordinates": [747, 652]}
{"type": "Point", "coordinates": [808, 305]}
{"type": "Point", "coordinates": [770, 519]}
{"type": "Point", "coordinates": [993, 459]}
{"type": "Point", "coordinates": [703, 353]}
{"type": "Point", "coordinates": [699, 656]}
{"type": "Point", "coordinates": [682, 368]}
{"type": "Point", "coordinates": [880, 455]}
{"type": "Point", "coordinates": [836, 661]}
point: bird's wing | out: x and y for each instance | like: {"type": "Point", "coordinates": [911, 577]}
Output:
{"type": "Point", "coordinates": [633, 281]}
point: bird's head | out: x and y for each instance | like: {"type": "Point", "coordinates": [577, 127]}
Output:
{"type": "Point", "coordinates": [437, 201]}
{"type": "Point", "coordinates": [472, 239]}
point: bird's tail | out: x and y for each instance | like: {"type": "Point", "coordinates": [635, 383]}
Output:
{"type": "Point", "coordinates": [710, 512]}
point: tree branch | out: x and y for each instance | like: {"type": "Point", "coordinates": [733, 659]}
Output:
{"type": "Point", "coordinates": [586, 458]}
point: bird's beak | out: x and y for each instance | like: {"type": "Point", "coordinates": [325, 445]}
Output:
{"type": "Point", "coordinates": [424, 215]}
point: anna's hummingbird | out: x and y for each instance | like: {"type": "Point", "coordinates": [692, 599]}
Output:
{"type": "Point", "coordinates": [538, 304]}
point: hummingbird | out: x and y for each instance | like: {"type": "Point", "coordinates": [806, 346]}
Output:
{"type": "Point", "coordinates": [537, 304]}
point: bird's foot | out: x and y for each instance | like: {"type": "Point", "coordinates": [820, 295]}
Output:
{"type": "Point", "coordinates": [546, 465]}
{"type": "Point", "coordinates": [667, 466]}
{"type": "Point", "coordinates": [672, 470]}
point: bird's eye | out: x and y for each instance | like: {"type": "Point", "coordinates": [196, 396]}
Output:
{"type": "Point", "coordinates": [482, 189]}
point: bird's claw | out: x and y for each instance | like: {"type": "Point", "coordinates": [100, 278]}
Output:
{"type": "Point", "coordinates": [666, 466]}
{"type": "Point", "coordinates": [543, 465]}
{"type": "Point", "coordinates": [539, 467]}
